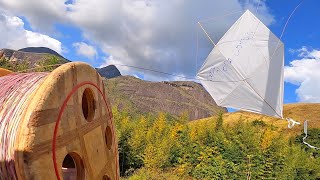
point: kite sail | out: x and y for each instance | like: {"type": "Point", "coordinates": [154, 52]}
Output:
{"type": "Point", "coordinates": [245, 68]}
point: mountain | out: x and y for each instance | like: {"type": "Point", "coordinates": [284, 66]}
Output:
{"type": "Point", "coordinates": [125, 92]}
{"type": "Point", "coordinates": [175, 98]}
{"type": "Point", "coordinates": [108, 72]}
{"type": "Point", "coordinates": [28, 58]}
{"type": "Point", "coordinates": [31, 57]}
{"type": "Point", "coordinates": [41, 50]}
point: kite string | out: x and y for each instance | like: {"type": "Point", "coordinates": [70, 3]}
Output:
{"type": "Point", "coordinates": [258, 6]}
{"type": "Point", "coordinates": [174, 75]}
{"type": "Point", "coordinates": [206, 33]}
{"type": "Point", "coordinates": [197, 51]}
{"type": "Point", "coordinates": [285, 26]}
{"type": "Point", "coordinates": [15, 90]}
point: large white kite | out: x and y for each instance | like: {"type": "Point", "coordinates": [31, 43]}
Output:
{"type": "Point", "coordinates": [245, 68]}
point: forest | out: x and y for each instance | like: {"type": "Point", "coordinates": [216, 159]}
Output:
{"type": "Point", "coordinates": [165, 147]}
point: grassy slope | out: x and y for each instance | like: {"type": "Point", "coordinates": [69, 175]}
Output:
{"type": "Point", "coordinates": [299, 112]}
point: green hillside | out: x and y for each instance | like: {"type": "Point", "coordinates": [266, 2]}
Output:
{"type": "Point", "coordinates": [46, 64]}
{"type": "Point", "coordinates": [230, 146]}
{"type": "Point", "coordinates": [20, 61]}
{"type": "Point", "coordinates": [299, 112]}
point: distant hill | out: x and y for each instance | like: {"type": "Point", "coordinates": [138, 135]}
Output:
{"type": "Point", "coordinates": [108, 72]}
{"type": "Point", "coordinates": [125, 92]}
{"type": "Point", "coordinates": [25, 59]}
{"type": "Point", "coordinates": [41, 50]}
{"type": "Point", "coordinates": [299, 112]}
{"type": "Point", "coordinates": [175, 98]}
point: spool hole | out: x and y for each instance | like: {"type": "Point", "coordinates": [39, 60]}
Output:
{"type": "Point", "coordinates": [72, 167]}
{"type": "Point", "coordinates": [88, 104]}
{"type": "Point", "coordinates": [105, 177]}
{"type": "Point", "coordinates": [108, 137]}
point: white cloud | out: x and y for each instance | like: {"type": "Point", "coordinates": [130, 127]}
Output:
{"type": "Point", "coordinates": [159, 35]}
{"type": "Point", "coordinates": [14, 36]}
{"type": "Point", "coordinates": [155, 34]}
{"type": "Point", "coordinates": [41, 14]}
{"type": "Point", "coordinates": [305, 73]}
{"type": "Point", "coordinates": [36, 39]}
{"type": "Point", "coordinates": [85, 50]}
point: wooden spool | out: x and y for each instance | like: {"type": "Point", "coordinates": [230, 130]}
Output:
{"type": "Point", "coordinates": [4, 72]}
{"type": "Point", "coordinates": [85, 142]}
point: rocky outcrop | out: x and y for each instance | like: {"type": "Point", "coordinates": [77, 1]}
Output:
{"type": "Point", "coordinates": [108, 72]}
{"type": "Point", "coordinates": [174, 98]}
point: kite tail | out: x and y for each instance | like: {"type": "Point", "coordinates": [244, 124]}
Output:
{"type": "Point", "coordinates": [291, 122]}
{"type": "Point", "coordinates": [306, 135]}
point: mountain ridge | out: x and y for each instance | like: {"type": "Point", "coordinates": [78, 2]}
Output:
{"type": "Point", "coordinates": [16, 60]}
{"type": "Point", "coordinates": [174, 97]}
{"type": "Point", "coordinates": [41, 50]}
{"type": "Point", "coordinates": [125, 92]}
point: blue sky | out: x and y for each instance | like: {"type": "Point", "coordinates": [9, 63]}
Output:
{"type": "Point", "coordinates": [161, 34]}
{"type": "Point", "coordinates": [302, 30]}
